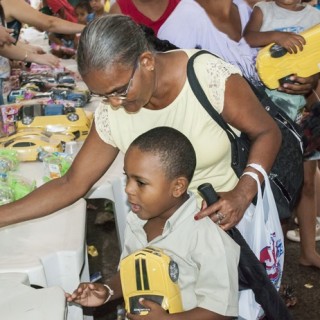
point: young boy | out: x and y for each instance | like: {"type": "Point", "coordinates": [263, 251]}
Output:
{"type": "Point", "coordinates": [159, 166]}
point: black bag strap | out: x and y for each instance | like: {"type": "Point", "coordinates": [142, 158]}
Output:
{"type": "Point", "coordinates": [274, 111]}
{"type": "Point", "coordinates": [203, 99]}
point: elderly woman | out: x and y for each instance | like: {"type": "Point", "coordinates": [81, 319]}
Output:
{"type": "Point", "coordinates": [143, 89]}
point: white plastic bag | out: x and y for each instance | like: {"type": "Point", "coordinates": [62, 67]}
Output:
{"type": "Point", "coordinates": [262, 230]}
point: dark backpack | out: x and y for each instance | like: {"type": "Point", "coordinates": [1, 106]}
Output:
{"type": "Point", "coordinates": [286, 175]}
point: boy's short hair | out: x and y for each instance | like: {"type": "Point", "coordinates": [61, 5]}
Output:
{"type": "Point", "coordinates": [174, 149]}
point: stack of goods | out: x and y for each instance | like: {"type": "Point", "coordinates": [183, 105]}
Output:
{"type": "Point", "coordinates": [12, 185]}
{"type": "Point", "coordinates": [45, 110]}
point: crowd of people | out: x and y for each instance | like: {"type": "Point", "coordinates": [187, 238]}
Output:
{"type": "Point", "coordinates": [134, 54]}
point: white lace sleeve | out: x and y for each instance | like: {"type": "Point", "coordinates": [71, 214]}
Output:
{"type": "Point", "coordinates": [101, 117]}
{"type": "Point", "coordinates": [217, 71]}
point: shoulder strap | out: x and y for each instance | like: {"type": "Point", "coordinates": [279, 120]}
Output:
{"type": "Point", "coordinates": [202, 97]}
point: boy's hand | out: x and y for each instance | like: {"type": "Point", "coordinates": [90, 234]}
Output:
{"type": "Point", "coordinates": [89, 294]}
{"type": "Point", "coordinates": [290, 41]}
{"type": "Point", "coordinates": [155, 313]}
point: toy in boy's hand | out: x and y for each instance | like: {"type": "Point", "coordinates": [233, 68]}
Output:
{"type": "Point", "coordinates": [150, 274]}
{"type": "Point", "coordinates": [275, 65]}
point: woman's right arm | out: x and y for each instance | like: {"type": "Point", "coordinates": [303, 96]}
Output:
{"type": "Point", "coordinates": [93, 160]}
{"type": "Point", "coordinates": [22, 11]}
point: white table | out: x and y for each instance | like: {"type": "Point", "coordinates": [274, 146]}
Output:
{"type": "Point", "coordinates": [52, 250]}
{"type": "Point", "coordinates": [19, 301]}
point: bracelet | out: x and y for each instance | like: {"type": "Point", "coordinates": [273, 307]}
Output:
{"type": "Point", "coordinates": [111, 293]}
{"type": "Point", "coordinates": [25, 57]}
{"type": "Point", "coordinates": [251, 174]}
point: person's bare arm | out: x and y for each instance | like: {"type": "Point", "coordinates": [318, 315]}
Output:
{"type": "Point", "coordinates": [29, 47]}
{"type": "Point", "coordinates": [243, 111]}
{"type": "Point", "coordinates": [255, 38]}
{"type": "Point", "coordinates": [313, 97]}
{"type": "Point", "coordinates": [22, 11]}
{"type": "Point", "coordinates": [91, 163]}
{"type": "Point", "coordinates": [5, 37]}
{"type": "Point", "coordinates": [115, 8]}
{"type": "Point", "coordinates": [16, 53]}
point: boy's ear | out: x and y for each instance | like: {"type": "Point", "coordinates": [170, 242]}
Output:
{"type": "Point", "coordinates": [180, 186]}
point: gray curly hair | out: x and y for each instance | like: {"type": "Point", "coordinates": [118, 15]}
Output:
{"type": "Point", "coordinates": [108, 40]}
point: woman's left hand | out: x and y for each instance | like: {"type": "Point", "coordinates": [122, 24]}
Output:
{"type": "Point", "coordinates": [155, 311]}
{"type": "Point", "coordinates": [300, 85]}
{"type": "Point", "coordinates": [227, 211]}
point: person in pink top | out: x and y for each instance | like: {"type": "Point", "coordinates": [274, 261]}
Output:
{"type": "Point", "coordinates": [63, 9]}
{"type": "Point", "coordinates": [152, 13]}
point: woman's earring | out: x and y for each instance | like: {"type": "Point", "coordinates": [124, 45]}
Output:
{"type": "Point", "coordinates": [152, 68]}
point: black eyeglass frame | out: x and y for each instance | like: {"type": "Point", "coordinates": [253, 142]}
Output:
{"type": "Point", "coordinates": [119, 95]}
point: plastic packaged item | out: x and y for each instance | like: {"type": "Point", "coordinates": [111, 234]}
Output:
{"type": "Point", "coordinates": [72, 148]}
{"type": "Point", "coordinates": [20, 186]}
{"type": "Point", "coordinates": [6, 194]}
{"type": "Point", "coordinates": [8, 162]}
{"type": "Point", "coordinates": [5, 165]}
{"type": "Point", "coordinates": [56, 165]}
{"type": "Point", "coordinates": [52, 166]}
{"type": "Point", "coordinates": [12, 157]}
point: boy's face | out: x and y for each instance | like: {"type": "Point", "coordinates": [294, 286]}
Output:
{"type": "Point", "coordinates": [81, 14]}
{"type": "Point", "coordinates": [97, 5]}
{"type": "Point", "coordinates": [150, 193]}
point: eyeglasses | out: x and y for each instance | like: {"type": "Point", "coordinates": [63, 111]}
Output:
{"type": "Point", "coordinates": [120, 94]}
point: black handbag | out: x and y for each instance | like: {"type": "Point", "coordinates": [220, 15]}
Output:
{"type": "Point", "coordinates": [286, 175]}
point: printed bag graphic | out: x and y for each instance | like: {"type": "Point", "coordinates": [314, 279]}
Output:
{"type": "Point", "coordinates": [261, 228]}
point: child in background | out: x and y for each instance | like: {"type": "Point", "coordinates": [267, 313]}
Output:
{"type": "Point", "coordinates": [159, 166]}
{"type": "Point", "coordinates": [107, 6]}
{"type": "Point", "coordinates": [279, 22]}
{"type": "Point", "coordinates": [82, 9]}
{"type": "Point", "coordinates": [62, 45]}
{"type": "Point", "coordinates": [98, 9]}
